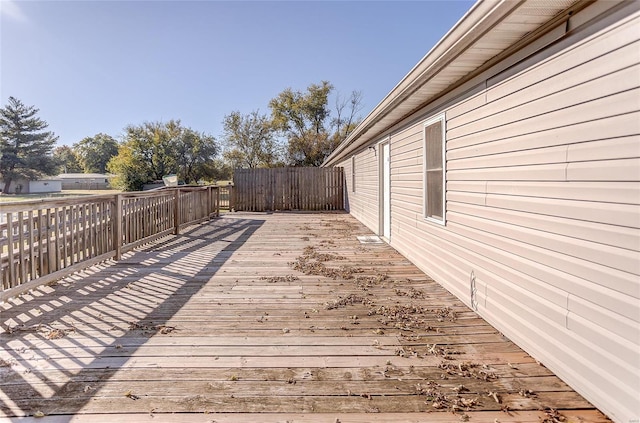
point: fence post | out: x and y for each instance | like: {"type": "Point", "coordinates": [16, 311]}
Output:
{"type": "Point", "coordinates": [232, 198]}
{"type": "Point", "coordinates": [117, 228]}
{"type": "Point", "coordinates": [176, 211]}
{"type": "Point", "coordinates": [217, 201]}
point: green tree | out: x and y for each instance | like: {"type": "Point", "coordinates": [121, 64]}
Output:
{"type": "Point", "coordinates": [221, 170]}
{"type": "Point", "coordinates": [155, 149]}
{"type": "Point", "coordinates": [95, 152]}
{"type": "Point", "coordinates": [130, 173]}
{"type": "Point", "coordinates": [305, 119]}
{"type": "Point", "coordinates": [195, 154]}
{"type": "Point", "coordinates": [66, 160]}
{"type": "Point", "coordinates": [25, 148]}
{"type": "Point", "coordinates": [250, 140]}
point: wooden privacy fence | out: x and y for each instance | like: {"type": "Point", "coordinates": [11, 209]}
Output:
{"type": "Point", "coordinates": [45, 240]}
{"type": "Point", "coordinates": [288, 188]}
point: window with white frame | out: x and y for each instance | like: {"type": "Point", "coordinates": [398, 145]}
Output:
{"type": "Point", "coordinates": [434, 169]}
{"type": "Point", "coordinates": [353, 173]}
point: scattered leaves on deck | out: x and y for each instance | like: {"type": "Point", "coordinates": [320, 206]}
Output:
{"type": "Point", "coordinates": [312, 263]}
{"type": "Point", "coordinates": [7, 363]}
{"type": "Point", "coordinates": [552, 416]}
{"type": "Point", "coordinates": [280, 279]}
{"type": "Point", "coordinates": [441, 400]}
{"type": "Point", "coordinates": [350, 299]}
{"type": "Point", "coordinates": [468, 370]}
{"type": "Point", "coordinates": [365, 282]}
{"type": "Point", "coordinates": [445, 313]}
{"type": "Point", "coordinates": [412, 293]}
{"type": "Point", "coordinates": [161, 328]}
{"type": "Point", "coordinates": [406, 317]}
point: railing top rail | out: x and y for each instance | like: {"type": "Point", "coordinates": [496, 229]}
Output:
{"type": "Point", "coordinates": [184, 188]}
{"type": "Point", "coordinates": [143, 194]}
{"type": "Point", "coordinates": [45, 203]}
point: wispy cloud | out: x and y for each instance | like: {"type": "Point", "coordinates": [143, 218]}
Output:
{"type": "Point", "coordinates": [11, 10]}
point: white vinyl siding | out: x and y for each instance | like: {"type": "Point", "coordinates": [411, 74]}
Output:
{"type": "Point", "coordinates": [434, 169]}
{"type": "Point", "coordinates": [542, 206]}
{"type": "Point", "coordinates": [353, 174]}
{"type": "Point", "coordinates": [363, 191]}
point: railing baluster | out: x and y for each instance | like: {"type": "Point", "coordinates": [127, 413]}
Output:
{"type": "Point", "coordinates": [21, 260]}
{"type": "Point", "coordinates": [30, 230]}
{"type": "Point", "coordinates": [10, 259]}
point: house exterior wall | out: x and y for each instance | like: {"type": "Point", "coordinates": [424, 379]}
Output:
{"type": "Point", "coordinates": [18, 186]}
{"type": "Point", "coordinates": [49, 185]}
{"type": "Point", "coordinates": [363, 202]}
{"type": "Point", "coordinates": [85, 183]}
{"type": "Point", "coordinates": [542, 233]}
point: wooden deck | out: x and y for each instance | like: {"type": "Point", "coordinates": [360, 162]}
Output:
{"type": "Point", "coordinates": [216, 324]}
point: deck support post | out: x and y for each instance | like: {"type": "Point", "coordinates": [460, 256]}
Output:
{"type": "Point", "coordinates": [117, 227]}
{"type": "Point", "coordinates": [176, 211]}
{"type": "Point", "coordinates": [217, 201]}
{"type": "Point", "coordinates": [210, 209]}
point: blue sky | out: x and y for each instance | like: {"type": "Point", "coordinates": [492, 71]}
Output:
{"type": "Point", "coordinates": [97, 66]}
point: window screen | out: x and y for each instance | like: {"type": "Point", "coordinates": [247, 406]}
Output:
{"type": "Point", "coordinates": [434, 169]}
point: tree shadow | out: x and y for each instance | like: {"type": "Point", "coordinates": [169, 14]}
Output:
{"type": "Point", "coordinates": [89, 325]}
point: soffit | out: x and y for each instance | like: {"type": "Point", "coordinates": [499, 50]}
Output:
{"type": "Point", "coordinates": [489, 29]}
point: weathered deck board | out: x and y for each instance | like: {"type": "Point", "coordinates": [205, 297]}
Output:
{"type": "Point", "coordinates": [217, 321]}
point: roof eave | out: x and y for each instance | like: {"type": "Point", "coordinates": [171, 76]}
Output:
{"type": "Point", "coordinates": [483, 16]}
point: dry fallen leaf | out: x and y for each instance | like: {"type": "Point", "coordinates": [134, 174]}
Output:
{"type": "Point", "coordinates": [494, 396]}
{"type": "Point", "coordinates": [553, 416]}
{"type": "Point", "coordinates": [527, 393]}
{"type": "Point", "coordinates": [131, 395]}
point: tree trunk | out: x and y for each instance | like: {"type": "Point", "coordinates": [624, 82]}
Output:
{"type": "Point", "coordinates": [7, 184]}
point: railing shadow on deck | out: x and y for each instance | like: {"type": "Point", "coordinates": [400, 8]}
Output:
{"type": "Point", "coordinates": [133, 301]}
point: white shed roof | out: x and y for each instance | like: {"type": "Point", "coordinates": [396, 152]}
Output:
{"type": "Point", "coordinates": [489, 29]}
{"type": "Point", "coordinates": [84, 176]}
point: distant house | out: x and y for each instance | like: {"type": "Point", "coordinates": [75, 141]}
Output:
{"type": "Point", "coordinates": [25, 186]}
{"type": "Point", "coordinates": [506, 165]}
{"type": "Point", "coordinates": [85, 181]}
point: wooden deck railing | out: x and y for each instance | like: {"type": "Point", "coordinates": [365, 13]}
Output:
{"type": "Point", "coordinates": [44, 240]}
